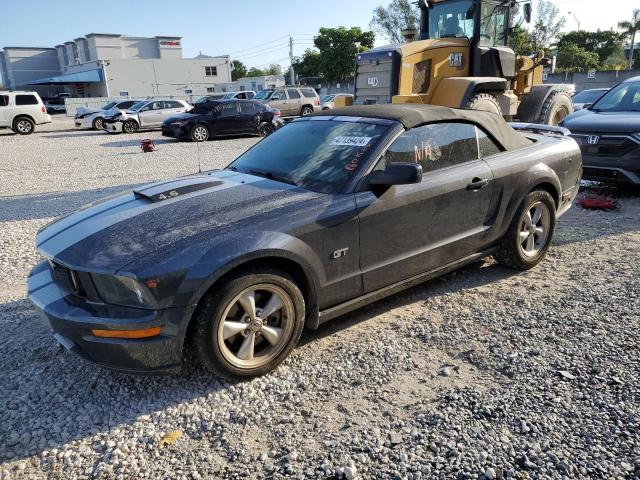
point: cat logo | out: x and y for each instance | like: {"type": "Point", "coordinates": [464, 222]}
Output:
{"type": "Point", "coordinates": [372, 81]}
{"type": "Point", "coordinates": [456, 60]}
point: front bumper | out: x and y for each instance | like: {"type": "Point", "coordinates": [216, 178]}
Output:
{"type": "Point", "coordinates": [175, 131]}
{"type": "Point", "coordinates": [614, 158]}
{"type": "Point", "coordinates": [112, 126]}
{"type": "Point", "coordinates": [85, 122]}
{"type": "Point", "coordinates": [72, 318]}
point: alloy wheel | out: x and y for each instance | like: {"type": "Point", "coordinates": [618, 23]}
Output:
{"type": "Point", "coordinates": [257, 325]}
{"type": "Point", "coordinates": [200, 133]}
{"type": "Point", "coordinates": [24, 126]}
{"type": "Point", "coordinates": [534, 229]}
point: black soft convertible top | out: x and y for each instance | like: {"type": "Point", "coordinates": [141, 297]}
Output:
{"type": "Point", "coordinates": [413, 115]}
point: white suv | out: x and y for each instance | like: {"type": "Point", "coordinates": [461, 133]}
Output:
{"type": "Point", "coordinates": [22, 111]}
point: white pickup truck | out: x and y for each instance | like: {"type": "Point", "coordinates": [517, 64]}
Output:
{"type": "Point", "coordinates": [22, 111]}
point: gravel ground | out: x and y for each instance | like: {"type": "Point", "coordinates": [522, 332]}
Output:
{"type": "Point", "coordinates": [485, 373]}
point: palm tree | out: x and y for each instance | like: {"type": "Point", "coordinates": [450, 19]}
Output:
{"type": "Point", "coordinates": [629, 29]}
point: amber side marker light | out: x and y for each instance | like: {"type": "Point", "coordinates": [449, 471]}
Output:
{"type": "Point", "coordinates": [147, 332]}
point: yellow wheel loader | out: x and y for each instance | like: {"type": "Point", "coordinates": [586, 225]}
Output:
{"type": "Point", "coordinates": [463, 60]}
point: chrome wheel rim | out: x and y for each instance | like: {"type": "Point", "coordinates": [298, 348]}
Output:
{"type": "Point", "coordinates": [23, 126]}
{"type": "Point", "coordinates": [306, 111]}
{"type": "Point", "coordinates": [129, 127]}
{"type": "Point", "coordinates": [199, 134]}
{"type": "Point", "coordinates": [266, 130]}
{"type": "Point", "coordinates": [534, 229]}
{"type": "Point", "coordinates": [98, 123]}
{"type": "Point", "coordinates": [256, 325]}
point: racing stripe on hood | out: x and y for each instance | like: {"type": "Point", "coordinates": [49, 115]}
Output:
{"type": "Point", "coordinates": [61, 235]}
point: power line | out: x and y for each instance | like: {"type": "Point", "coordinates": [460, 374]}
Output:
{"type": "Point", "coordinates": [258, 46]}
{"type": "Point", "coordinates": [262, 52]}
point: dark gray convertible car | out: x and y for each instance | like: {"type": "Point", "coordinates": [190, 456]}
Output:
{"type": "Point", "coordinates": [329, 213]}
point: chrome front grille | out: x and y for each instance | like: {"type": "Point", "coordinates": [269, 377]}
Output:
{"type": "Point", "coordinates": [611, 145]}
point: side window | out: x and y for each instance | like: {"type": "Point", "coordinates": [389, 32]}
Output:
{"type": "Point", "coordinates": [487, 146]}
{"type": "Point", "coordinates": [279, 95]}
{"type": "Point", "coordinates": [173, 104]}
{"type": "Point", "coordinates": [293, 93]}
{"type": "Point", "coordinates": [309, 92]}
{"type": "Point", "coordinates": [26, 100]}
{"type": "Point", "coordinates": [247, 108]}
{"type": "Point", "coordinates": [125, 105]}
{"type": "Point", "coordinates": [435, 146]}
{"type": "Point", "coordinates": [229, 109]}
{"type": "Point", "coordinates": [4, 100]}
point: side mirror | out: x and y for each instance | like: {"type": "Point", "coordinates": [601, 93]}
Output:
{"type": "Point", "coordinates": [527, 12]}
{"type": "Point", "coordinates": [401, 173]}
{"type": "Point", "coordinates": [587, 105]}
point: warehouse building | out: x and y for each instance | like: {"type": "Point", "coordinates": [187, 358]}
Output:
{"type": "Point", "coordinates": [104, 65]}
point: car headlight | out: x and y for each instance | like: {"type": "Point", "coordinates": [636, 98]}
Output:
{"type": "Point", "coordinates": [126, 291]}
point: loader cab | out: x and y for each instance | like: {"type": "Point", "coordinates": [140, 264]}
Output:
{"type": "Point", "coordinates": [485, 23]}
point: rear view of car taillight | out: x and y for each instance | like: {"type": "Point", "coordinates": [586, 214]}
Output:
{"type": "Point", "coordinates": [43, 109]}
{"type": "Point", "coordinates": [317, 102]}
{"type": "Point", "coordinates": [276, 113]}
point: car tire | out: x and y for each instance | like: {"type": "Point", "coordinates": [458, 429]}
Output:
{"type": "Point", "coordinates": [98, 123]}
{"type": "Point", "coordinates": [23, 126]}
{"type": "Point", "coordinates": [530, 233]}
{"type": "Point", "coordinates": [130, 126]}
{"type": "Point", "coordinates": [199, 133]}
{"type": "Point", "coordinates": [227, 342]}
{"type": "Point", "coordinates": [265, 129]}
{"type": "Point", "coordinates": [306, 110]}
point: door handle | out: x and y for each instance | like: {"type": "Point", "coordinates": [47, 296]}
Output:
{"type": "Point", "coordinates": [478, 183]}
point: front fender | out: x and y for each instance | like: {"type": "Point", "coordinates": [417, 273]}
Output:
{"type": "Point", "coordinates": [231, 253]}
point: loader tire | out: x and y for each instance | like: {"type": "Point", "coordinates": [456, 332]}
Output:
{"type": "Point", "coordinates": [485, 102]}
{"type": "Point", "coordinates": [556, 108]}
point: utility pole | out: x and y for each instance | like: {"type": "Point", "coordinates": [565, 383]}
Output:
{"type": "Point", "coordinates": [293, 76]}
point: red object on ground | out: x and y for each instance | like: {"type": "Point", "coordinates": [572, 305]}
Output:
{"type": "Point", "coordinates": [147, 145]}
{"type": "Point", "coordinates": [598, 203]}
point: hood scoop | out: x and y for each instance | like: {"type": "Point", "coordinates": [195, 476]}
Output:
{"type": "Point", "coordinates": [174, 192]}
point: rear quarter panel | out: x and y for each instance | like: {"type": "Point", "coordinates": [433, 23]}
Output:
{"type": "Point", "coordinates": [552, 163]}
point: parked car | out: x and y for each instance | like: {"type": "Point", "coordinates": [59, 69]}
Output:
{"type": "Point", "coordinates": [608, 133]}
{"type": "Point", "coordinates": [210, 98]}
{"type": "Point", "coordinates": [21, 111]}
{"type": "Point", "coordinates": [145, 115]}
{"type": "Point", "coordinates": [55, 106]}
{"type": "Point", "coordinates": [222, 118]}
{"type": "Point", "coordinates": [243, 95]}
{"type": "Point", "coordinates": [291, 101]}
{"type": "Point", "coordinates": [327, 102]}
{"type": "Point", "coordinates": [94, 118]}
{"type": "Point", "coordinates": [315, 220]}
{"type": "Point", "coordinates": [587, 97]}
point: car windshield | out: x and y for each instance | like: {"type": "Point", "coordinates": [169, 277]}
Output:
{"type": "Point", "coordinates": [327, 98]}
{"type": "Point", "coordinates": [263, 94]}
{"type": "Point", "coordinates": [588, 96]}
{"type": "Point", "coordinates": [137, 106]}
{"type": "Point", "coordinates": [622, 98]}
{"type": "Point", "coordinates": [319, 155]}
{"type": "Point", "coordinates": [109, 106]}
{"type": "Point", "coordinates": [453, 19]}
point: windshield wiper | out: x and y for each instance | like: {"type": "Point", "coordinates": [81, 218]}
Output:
{"type": "Point", "coordinates": [272, 176]}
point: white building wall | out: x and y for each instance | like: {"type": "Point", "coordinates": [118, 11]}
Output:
{"type": "Point", "coordinates": [141, 78]}
{"type": "Point", "coordinates": [134, 47]}
{"type": "Point", "coordinates": [26, 64]}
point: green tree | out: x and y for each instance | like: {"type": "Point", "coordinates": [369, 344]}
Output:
{"type": "Point", "coordinates": [274, 69]}
{"type": "Point", "coordinates": [308, 66]}
{"type": "Point", "coordinates": [520, 41]}
{"type": "Point", "coordinates": [256, 72]}
{"type": "Point", "coordinates": [547, 25]}
{"type": "Point", "coordinates": [338, 48]}
{"type": "Point", "coordinates": [573, 58]}
{"type": "Point", "coordinates": [239, 70]}
{"type": "Point", "coordinates": [629, 29]}
{"type": "Point", "coordinates": [606, 43]}
{"type": "Point", "coordinates": [397, 16]}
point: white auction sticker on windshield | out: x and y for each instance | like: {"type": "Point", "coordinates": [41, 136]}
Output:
{"type": "Point", "coordinates": [351, 141]}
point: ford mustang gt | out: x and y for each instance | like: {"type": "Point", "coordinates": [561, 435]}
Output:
{"type": "Point", "coordinates": [327, 214]}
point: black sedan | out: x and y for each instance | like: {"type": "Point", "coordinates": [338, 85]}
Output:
{"type": "Point", "coordinates": [223, 118]}
{"type": "Point", "coordinates": [331, 212]}
{"type": "Point", "coordinates": [608, 132]}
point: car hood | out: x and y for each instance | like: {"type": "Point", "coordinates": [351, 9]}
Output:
{"type": "Point", "coordinates": [85, 110]}
{"type": "Point", "coordinates": [177, 117]}
{"type": "Point", "coordinates": [113, 232]}
{"type": "Point", "coordinates": [603, 122]}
